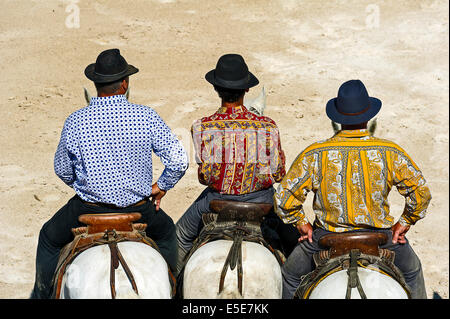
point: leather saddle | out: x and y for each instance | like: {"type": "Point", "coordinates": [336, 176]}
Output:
{"type": "Point", "coordinates": [234, 211]}
{"type": "Point", "coordinates": [99, 223]}
{"type": "Point", "coordinates": [342, 243]}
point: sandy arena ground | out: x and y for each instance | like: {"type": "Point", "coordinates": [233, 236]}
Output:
{"type": "Point", "coordinates": [300, 50]}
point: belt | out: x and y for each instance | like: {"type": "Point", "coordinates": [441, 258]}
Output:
{"type": "Point", "coordinates": [142, 202]}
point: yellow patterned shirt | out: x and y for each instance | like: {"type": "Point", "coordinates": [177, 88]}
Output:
{"type": "Point", "coordinates": [351, 175]}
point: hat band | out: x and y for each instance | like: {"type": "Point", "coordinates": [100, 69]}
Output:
{"type": "Point", "coordinates": [111, 75]}
{"type": "Point", "coordinates": [227, 83]}
{"type": "Point", "coordinates": [354, 114]}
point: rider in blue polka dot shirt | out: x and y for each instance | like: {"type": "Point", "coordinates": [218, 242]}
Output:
{"type": "Point", "coordinates": [105, 152]}
{"type": "Point", "coordinates": [105, 155]}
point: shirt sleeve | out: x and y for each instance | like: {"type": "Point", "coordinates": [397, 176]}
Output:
{"type": "Point", "coordinates": [411, 184]}
{"type": "Point", "coordinates": [292, 191]}
{"type": "Point", "coordinates": [62, 163]}
{"type": "Point", "coordinates": [277, 157]}
{"type": "Point", "coordinates": [171, 152]}
{"type": "Point", "coordinates": [204, 166]}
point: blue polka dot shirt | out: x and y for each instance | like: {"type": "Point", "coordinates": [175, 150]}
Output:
{"type": "Point", "coordinates": [105, 152]}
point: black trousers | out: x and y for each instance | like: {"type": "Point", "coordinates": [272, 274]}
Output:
{"type": "Point", "coordinates": [56, 233]}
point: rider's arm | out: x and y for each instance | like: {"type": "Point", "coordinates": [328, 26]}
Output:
{"type": "Point", "coordinates": [204, 164]}
{"type": "Point", "coordinates": [292, 191]}
{"type": "Point", "coordinates": [172, 154]}
{"type": "Point", "coordinates": [63, 164]}
{"type": "Point", "coordinates": [277, 157]}
{"type": "Point", "coordinates": [411, 184]}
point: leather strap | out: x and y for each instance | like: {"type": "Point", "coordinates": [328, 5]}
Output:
{"type": "Point", "coordinates": [116, 259]}
{"type": "Point", "coordinates": [234, 258]}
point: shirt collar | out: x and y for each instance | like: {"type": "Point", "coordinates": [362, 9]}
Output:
{"type": "Point", "coordinates": [232, 110]}
{"type": "Point", "coordinates": [353, 133]}
{"type": "Point", "coordinates": [108, 100]}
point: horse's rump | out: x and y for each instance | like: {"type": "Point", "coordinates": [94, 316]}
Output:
{"type": "Point", "coordinates": [261, 273]}
{"type": "Point", "coordinates": [235, 222]}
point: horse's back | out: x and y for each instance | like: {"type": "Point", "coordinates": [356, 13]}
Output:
{"type": "Point", "coordinates": [88, 276]}
{"type": "Point", "coordinates": [261, 272]}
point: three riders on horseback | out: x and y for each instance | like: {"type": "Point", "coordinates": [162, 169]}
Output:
{"type": "Point", "coordinates": [105, 155]}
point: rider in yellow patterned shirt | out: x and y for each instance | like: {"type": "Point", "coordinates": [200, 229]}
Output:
{"type": "Point", "coordinates": [351, 175]}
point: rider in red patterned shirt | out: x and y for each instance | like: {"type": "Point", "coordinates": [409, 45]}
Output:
{"type": "Point", "coordinates": [238, 152]}
{"type": "Point", "coordinates": [239, 156]}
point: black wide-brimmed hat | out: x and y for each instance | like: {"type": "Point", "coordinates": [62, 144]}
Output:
{"type": "Point", "coordinates": [109, 67]}
{"type": "Point", "coordinates": [231, 72]}
{"type": "Point", "coordinates": [353, 105]}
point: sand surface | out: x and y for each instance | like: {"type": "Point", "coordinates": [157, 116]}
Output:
{"type": "Point", "coordinates": [301, 51]}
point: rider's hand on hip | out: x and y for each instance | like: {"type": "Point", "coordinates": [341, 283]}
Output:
{"type": "Point", "coordinates": [157, 194]}
{"type": "Point", "coordinates": [306, 231]}
{"type": "Point", "coordinates": [398, 233]}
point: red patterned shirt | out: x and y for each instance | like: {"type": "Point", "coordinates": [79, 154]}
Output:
{"type": "Point", "coordinates": [238, 152]}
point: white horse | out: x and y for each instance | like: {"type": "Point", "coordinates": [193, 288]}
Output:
{"type": "Point", "coordinates": [261, 273]}
{"type": "Point", "coordinates": [231, 260]}
{"type": "Point", "coordinates": [88, 276]}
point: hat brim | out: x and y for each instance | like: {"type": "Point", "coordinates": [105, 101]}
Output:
{"type": "Point", "coordinates": [98, 78]}
{"type": "Point", "coordinates": [247, 83]}
{"type": "Point", "coordinates": [334, 115]}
